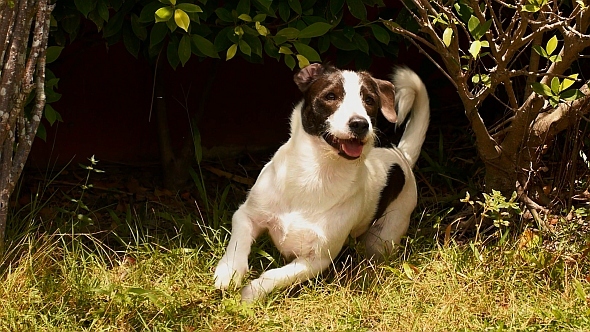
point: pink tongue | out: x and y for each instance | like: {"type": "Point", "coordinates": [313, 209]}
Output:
{"type": "Point", "coordinates": [352, 148]}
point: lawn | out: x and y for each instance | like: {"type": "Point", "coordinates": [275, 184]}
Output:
{"type": "Point", "coordinates": [78, 262]}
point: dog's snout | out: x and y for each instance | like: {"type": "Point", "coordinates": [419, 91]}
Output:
{"type": "Point", "coordinates": [358, 126]}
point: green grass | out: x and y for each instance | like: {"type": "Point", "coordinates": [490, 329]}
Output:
{"type": "Point", "coordinates": [149, 280]}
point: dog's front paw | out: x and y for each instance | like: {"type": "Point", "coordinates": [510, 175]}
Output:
{"type": "Point", "coordinates": [228, 273]}
{"type": "Point", "coordinates": [253, 291]}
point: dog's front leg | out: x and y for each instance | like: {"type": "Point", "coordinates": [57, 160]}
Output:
{"type": "Point", "coordinates": [234, 264]}
{"type": "Point", "coordinates": [298, 270]}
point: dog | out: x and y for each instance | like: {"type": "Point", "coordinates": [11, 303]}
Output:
{"type": "Point", "coordinates": [329, 181]}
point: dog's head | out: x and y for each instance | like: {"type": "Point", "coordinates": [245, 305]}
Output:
{"type": "Point", "coordinates": [341, 106]}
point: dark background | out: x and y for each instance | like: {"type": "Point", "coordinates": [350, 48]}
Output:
{"type": "Point", "coordinates": [107, 94]}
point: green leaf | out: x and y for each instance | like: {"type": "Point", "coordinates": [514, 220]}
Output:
{"type": "Point", "coordinates": [568, 81]}
{"type": "Point", "coordinates": [85, 6]}
{"type": "Point", "coordinates": [308, 52]}
{"type": "Point", "coordinates": [138, 29]}
{"type": "Point", "coordinates": [473, 24]}
{"type": "Point", "coordinates": [551, 45]}
{"type": "Point", "coordinates": [289, 33]}
{"type": "Point", "coordinates": [464, 11]}
{"type": "Point", "coordinates": [530, 8]}
{"type": "Point", "coordinates": [380, 34]}
{"type": "Point", "coordinates": [348, 32]}
{"type": "Point", "coordinates": [303, 62]}
{"type": "Point", "coordinates": [255, 44]}
{"type": "Point", "coordinates": [147, 12]}
{"type": "Point", "coordinates": [295, 5]}
{"type": "Point", "coordinates": [542, 89]}
{"type": "Point", "coordinates": [323, 43]}
{"type": "Point", "coordinates": [555, 58]}
{"type": "Point", "coordinates": [245, 18]}
{"type": "Point", "coordinates": [51, 82]}
{"type": "Point", "coordinates": [205, 46]}
{"type": "Point", "coordinates": [555, 85]}
{"type": "Point", "coordinates": [482, 29]}
{"type": "Point", "coordinates": [131, 42]}
{"type": "Point", "coordinates": [103, 10]}
{"type": "Point", "coordinates": [475, 48]}
{"type": "Point", "coordinates": [262, 30]}
{"type": "Point", "coordinates": [243, 7]}
{"type": "Point", "coordinates": [51, 96]}
{"type": "Point", "coordinates": [171, 24]}
{"type": "Point", "coordinates": [285, 50]}
{"type": "Point", "coordinates": [50, 114]}
{"type": "Point", "coordinates": [357, 9]}
{"type": "Point", "coordinates": [447, 36]}
{"type": "Point", "coordinates": [163, 14]}
{"type": "Point", "coordinates": [53, 53]}
{"type": "Point", "coordinates": [314, 30]}
{"type": "Point", "coordinates": [184, 49]}
{"type": "Point", "coordinates": [284, 11]}
{"type": "Point", "coordinates": [541, 51]}
{"type": "Point", "coordinates": [265, 3]}
{"type": "Point", "coordinates": [341, 42]}
{"type": "Point", "coordinates": [244, 47]}
{"type": "Point", "coordinates": [571, 94]}
{"type": "Point", "coordinates": [42, 132]}
{"type": "Point", "coordinates": [224, 15]}
{"type": "Point", "coordinates": [289, 61]}
{"type": "Point", "coordinates": [182, 19]}
{"type": "Point", "coordinates": [189, 8]}
{"type": "Point", "coordinates": [114, 25]}
{"type": "Point", "coordinates": [172, 53]}
{"type": "Point", "coordinates": [157, 34]}
{"type": "Point", "coordinates": [361, 43]}
{"type": "Point", "coordinates": [336, 6]}
{"type": "Point", "coordinates": [271, 50]}
{"type": "Point", "coordinates": [259, 18]}
{"type": "Point", "coordinates": [231, 51]}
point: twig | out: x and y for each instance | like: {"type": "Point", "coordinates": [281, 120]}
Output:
{"type": "Point", "coordinates": [228, 175]}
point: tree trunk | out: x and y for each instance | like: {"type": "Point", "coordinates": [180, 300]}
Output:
{"type": "Point", "coordinates": [22, 71]}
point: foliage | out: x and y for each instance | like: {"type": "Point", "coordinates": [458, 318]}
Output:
{"type": "Point", "coordinates": [296, 32]}
{"type": "Point", "coordinates": [519, 54]}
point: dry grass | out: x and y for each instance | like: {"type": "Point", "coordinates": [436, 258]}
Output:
{"type": "Point", "coordinates": [73, 282]}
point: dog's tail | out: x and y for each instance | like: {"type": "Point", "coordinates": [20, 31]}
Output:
{"type": "Point", "coordinates": [410, 94]}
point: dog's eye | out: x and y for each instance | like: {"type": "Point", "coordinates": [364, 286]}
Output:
{"type": "Point", "coordinates": [330, 96]}
{"type": "Point", "coordinates": [369, 101]}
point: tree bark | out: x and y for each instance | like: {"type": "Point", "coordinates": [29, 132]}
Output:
{"type": "Point", "coordinates": [22, 71]}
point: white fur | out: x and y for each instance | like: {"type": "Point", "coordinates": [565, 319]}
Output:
{"type": "Point", "coordinates": [310, 200]}
{"type": "Point", "coordinates": [351, 105]}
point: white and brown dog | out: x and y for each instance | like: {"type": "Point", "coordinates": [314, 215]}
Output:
{"type": "Point", "coordinates": [328, 181]}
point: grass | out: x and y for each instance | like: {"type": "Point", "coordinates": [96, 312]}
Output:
{"type": "Point", "coordinates": [74, 282]}
{"type": "Point", "coordinates": [151, 269]}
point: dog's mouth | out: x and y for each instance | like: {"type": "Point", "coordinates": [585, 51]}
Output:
{"type": "Point", "coordinates": [350, 148]}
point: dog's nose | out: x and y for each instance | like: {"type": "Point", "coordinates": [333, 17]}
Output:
{"type": "Point", "coordinates": [358, 126]}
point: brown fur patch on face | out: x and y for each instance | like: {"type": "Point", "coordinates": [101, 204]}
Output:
{"type": "Point", "coordinates": [370, 95]}
{"type": "Point", "coordinates": [320, 100]}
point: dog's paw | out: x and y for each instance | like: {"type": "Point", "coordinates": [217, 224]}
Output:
{"type": "Point", "coordinates": [253, 292]}
{"type": "Point", "coordinates": [229, 273]}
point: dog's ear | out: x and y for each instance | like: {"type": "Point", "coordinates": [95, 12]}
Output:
{"type": "Point", "coordinates": [387, 95]}
{"type": "Point", "coordinates": [308, 75]}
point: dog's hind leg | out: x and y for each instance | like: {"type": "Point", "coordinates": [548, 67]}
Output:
{"type": "Point", "coordinates": [298, 270]}
{"type": "Point", "coordinates": [388, 230]}
{"type": "Point", "coordinates": [234, 264]}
